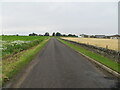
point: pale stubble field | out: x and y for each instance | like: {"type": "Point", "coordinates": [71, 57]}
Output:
{"type": "Point", "coordinates": [112, 44]}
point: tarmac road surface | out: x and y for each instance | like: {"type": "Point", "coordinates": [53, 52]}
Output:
{"type": "Point", "coordinates": [58, 66]}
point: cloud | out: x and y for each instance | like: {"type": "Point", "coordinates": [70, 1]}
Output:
{"type": "Point", "coordinates": [36, 29]}
{"type": "Point", "coordinates": [72, 17]}
{"type": "Point", "coordinates": [59, 0]}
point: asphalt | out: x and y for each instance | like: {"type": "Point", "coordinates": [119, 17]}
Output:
{"type": "Point", "coordinates": [58, 66]}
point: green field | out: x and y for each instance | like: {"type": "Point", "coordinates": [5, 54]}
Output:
{"type": "Point", "coordinates": [17, 51]}
{"type": "Point", "coordinates": [15, 44]}
{"type": "Point", "coordinates": [22, 38]}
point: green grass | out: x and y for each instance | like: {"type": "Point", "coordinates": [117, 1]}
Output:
{"type": "Point", "coordinates": [104, 60]}
{"type": "Point", "coordinates": [23, 38]}
{"type": "Point", "coordinates": [12, 66]}
{"type": "Point", "coordinates": [15, 44]}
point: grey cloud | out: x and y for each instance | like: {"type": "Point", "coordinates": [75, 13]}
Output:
{"type": "Point", "coordinates": [66, 17]}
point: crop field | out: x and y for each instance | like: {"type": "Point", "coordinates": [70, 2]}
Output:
{"type": "Point", "coordinates": [95, 56]}
{"type": "Point", "coordinates": [105, 43]}
{"type": "Point", "coordinates": [13, 44]}
{"type": "Point", "coordinates": [17, 51]}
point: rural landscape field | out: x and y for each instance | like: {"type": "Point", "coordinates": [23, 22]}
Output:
{"type": "Point", "coordinates": [18, 51]}
{"type": "Point", "coordinates": [15, 44]}
{"type": "Point", "coordinates": [59, 44]}
{"type": "Point", "coordinates": [99, 42]}
{"type": "Point", "coordinates": [14, 49]}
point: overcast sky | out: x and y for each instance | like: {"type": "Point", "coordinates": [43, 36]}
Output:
{"type": "Point", "coordinates": [64, 17]}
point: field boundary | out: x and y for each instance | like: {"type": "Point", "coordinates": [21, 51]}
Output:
{"type": "Point", "coordinates": [23, 60]}
{"type": "Point", "coordinates": [111, 54]}
{"type": "Point", "coordinates": [96, 62]}
{"type": "Point", "coordinates": [101, 65]}
{"type": "Point", "coordinates": [25, 71]}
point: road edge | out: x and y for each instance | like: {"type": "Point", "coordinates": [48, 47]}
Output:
{"type": "Point", "coordinates": [23, 71]}
{"type": "Point", "coordinates": [96, 62]}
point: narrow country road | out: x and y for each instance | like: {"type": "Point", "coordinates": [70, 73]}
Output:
{"type": "Point", "coordinates": [58, 66]}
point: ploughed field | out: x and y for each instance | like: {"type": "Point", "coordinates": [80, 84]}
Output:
{"type": "Point", "coordinates": [104, 43]}
{"type": "Point", "coordinates": [13, 44]}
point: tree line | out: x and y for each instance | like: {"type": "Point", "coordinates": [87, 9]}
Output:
{"type": "Point", "coordinates": [54, 34]}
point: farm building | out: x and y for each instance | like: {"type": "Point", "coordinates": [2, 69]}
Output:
{"type": "Point", "coordinates": [115, 37]}
{"type": "Point", "coordinates": [100, 36]}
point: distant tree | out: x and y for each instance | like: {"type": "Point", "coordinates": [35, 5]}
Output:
{"type": "Point", "coordinates": [58, 34]}
{"type": "Point", "coordinates": [84, 36]}
{"type": "Point", "coordinates": [40, 35]}
{"type": "Point", "coordinates": [64, 35]}
{"type": "Point", "coordinates": [46, 34]}
{"type": "Point", "coordinates": [72, 35]}
{"type": "Point", "coordinates": [92, 36]}
{"type": "Point", "coordinates": [53, 34]}
{"type": "Point", "coordinates": [33, 34]}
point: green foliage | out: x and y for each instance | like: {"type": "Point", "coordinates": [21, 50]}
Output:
{"type": "Point", "coordinates": [46, 34]}
{"type": "Point", "coordinates": [58, 34]}
{"type": "Point", "coordinates": [14, 65]}
{"type": "Point", "coordinates": [22, 38]}
{"type": "Point", "coordinates": [53, 34]}
{"type": "Point", "coordinates": [33, 34]}
{"type": "Point", "coordinates": [15, 44]}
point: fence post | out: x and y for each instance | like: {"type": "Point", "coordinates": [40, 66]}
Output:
{"type": "Point", "coordinates": [106, 46]}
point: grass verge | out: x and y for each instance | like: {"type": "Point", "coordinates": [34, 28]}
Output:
{"type": "Point", "coordinates": [104, 60]}
{"type": "Point", "coordinates": [13, 65]}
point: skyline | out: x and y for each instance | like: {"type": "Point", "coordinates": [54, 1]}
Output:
{"type": "Point", "coordinates": [64, 17]}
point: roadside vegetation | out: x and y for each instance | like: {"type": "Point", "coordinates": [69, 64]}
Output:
{"type": "Point", "coordinates": [15, 44]}
{"type": "Point", "coordinates": [104, 60]}
{"type": "Point", "coordinates": [17, 51]}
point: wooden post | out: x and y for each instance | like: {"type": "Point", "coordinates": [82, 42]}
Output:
{"type": "Point", "coordinates": [106, 46]}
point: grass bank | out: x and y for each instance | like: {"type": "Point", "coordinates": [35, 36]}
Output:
{"type": "Point", "coordinates": [104, 60]}
{"type": "Point", "coordinates": [14, 64]}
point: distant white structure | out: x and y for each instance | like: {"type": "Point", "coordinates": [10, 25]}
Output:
{"type": "Point", "coordinates": [99, 36]}
{"type": "Point", "coordinates": [115, 37]}
{"type": "Point", "coordinates": [79, 36]}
